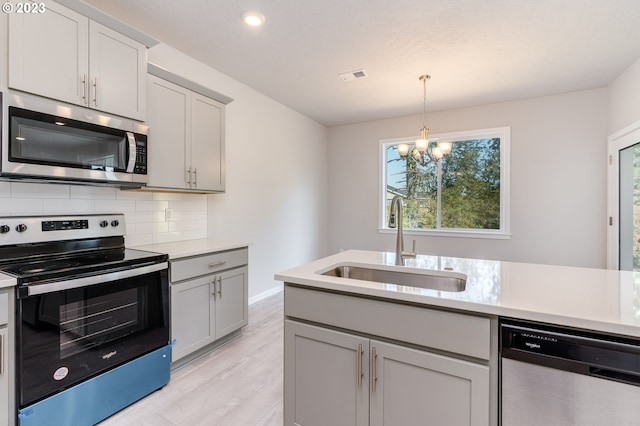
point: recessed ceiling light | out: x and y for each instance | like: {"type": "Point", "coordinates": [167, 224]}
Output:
{"type": "Point", "coordinates": [253, 19]}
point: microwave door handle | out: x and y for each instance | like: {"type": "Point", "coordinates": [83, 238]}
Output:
{"type": "Point", "coordinates": [132, 152]}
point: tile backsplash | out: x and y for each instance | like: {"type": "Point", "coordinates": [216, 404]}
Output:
{"type": "Point", "coordinates": [151, 217]}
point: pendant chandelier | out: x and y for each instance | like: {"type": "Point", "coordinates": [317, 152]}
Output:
{"type": "Point", "coordinates": [424, 152]}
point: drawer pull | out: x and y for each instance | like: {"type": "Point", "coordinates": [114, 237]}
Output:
{"type": "Point", "coordinates": [218, 263]}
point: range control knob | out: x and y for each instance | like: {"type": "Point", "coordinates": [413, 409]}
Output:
{"type": "Point", "coordinates": [4, 229]}
{"type": "Point", "coordinates": [104, 224]}
{"type": "Point", "coordinates": [115, 222]}
{"type": "Point", "coordinates": [21, 227]}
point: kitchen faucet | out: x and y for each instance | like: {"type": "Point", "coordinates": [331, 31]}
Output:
{"type": "Point", "coordinates": [395, 221]}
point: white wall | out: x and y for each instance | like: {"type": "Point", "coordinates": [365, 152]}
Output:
{"type": "Point", "coordinates": [558, 180]}
{"type": "Point", "coordinates": [624, 99]}
{"type": "Point", "coordinates": [276, 162]}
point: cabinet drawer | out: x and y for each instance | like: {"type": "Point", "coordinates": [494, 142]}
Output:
{"type": "Point", "coordinates": [183, 269]}
{"type": "Point", "coordinates": [4, 308]}
{"type": "Point", "coordinates": [448, 331]}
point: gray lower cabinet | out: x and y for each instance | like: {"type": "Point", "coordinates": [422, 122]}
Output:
{"type": "Point", "coordinates": [418, 387]}
{"type": "Point", "coordinates": [326, 379]}
{"type": "Point", "coordinates": [337, 378]}
{"type": "Point", "coordinates": [358, 361]}
{"type": "Point", "coordinates": [4, 379]}
{"type": "Point", "coordinates": [7, 410]}
{"type": "Point", "coordinates": [209, 299]}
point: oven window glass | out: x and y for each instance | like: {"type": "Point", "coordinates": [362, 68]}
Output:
{"type": "Point", "coordinates": [39, 138]}
{"type": "Point", "coordinates": [68, 336]}
{"type": "Point", "coordinates": [98, 319]}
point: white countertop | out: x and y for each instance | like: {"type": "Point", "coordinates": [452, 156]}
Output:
{"type": "Point", "coordinates": [7, 281]}
{"type": "Point", "coordinates": [595, 299]}
{"type": "Point", "coordinates": [179, 249]}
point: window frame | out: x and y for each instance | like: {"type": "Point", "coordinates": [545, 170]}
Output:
{"type": "Point", "coordinates": [504, 133]}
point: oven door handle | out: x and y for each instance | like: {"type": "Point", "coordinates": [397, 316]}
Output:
{"type": "Point", "coordinates": [35, 289]}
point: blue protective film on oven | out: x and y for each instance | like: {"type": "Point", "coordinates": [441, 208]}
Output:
{"type": "Point", "coordinates": [94, 400]}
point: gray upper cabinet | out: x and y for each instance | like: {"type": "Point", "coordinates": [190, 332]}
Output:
{"type": "Point", "coordinates": [186, 138]}
{"type": "Point", "coordinates": [64, 55]}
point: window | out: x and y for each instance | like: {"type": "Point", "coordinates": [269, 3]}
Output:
{"type": "Point", "coordinates": [465, 193]}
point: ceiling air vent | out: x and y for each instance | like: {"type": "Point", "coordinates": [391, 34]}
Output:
{"type": "Point", "coordinates": [353, 75]}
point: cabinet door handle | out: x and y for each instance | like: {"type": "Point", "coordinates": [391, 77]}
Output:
{"type": "Point", "coordinates": [95, 91]}
{"type": "Point", "coordinates": [84, 89]}
{"type": "Point", "coordinates": [218, 263]}
{"type": "Point", "coordinates": [359, 365]}
{"type": "Point", "coordinates": [1, 354]}
{"type": "Point", "coordinates": [195, 177]}
{"type": "Point", "coordinates": [188, 176]}
{"type": "Point", "coordinates": [220, 287]}
{"type": "Point", "coordinates": [215, 289]}
{"type": "Point", "coordinates": [374, 374]}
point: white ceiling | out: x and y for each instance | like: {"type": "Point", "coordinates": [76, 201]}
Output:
{"type": "Point", "coordinates": [477, 51]}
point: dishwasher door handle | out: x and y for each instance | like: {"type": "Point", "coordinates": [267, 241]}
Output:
{"type": "Point", "coordinates": [618, 376]}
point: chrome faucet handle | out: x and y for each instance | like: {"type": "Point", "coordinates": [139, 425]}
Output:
{"type": "Point", "coordinates": [411, 253]}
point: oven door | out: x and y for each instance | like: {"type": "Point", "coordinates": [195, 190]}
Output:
{"type": "Point", "coordinates": [75, 331]}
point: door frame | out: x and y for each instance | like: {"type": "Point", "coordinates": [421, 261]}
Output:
{"type": "Point", "coordinates": [618, 141]}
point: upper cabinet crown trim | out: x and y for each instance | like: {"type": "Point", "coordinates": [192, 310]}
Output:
{"type": "Point", "coordinates": [164, 74]}
{"type": "Point", "coordinates": [108, 21]}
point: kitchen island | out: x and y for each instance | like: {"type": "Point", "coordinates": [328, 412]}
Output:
{"type": "Point", "coordinates": [595, 299]}
{"type": "Point", "coordinates": [393, 354]}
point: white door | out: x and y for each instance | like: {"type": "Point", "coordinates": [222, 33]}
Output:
{"type": "Point", "coordinates": [623, 236]}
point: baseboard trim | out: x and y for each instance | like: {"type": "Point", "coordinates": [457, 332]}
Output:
{"type": "Point", "coordinates": [258, 297]}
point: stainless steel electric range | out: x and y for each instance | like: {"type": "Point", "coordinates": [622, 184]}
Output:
{"type": "Point", "coordinates": [92, 317]}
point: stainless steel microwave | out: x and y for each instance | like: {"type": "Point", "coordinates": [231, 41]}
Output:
{"type": "Point", "coordinates": [47, 140]}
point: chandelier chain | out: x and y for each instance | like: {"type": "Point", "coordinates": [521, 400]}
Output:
{"type": "Point", "coordinates": [424, 79]}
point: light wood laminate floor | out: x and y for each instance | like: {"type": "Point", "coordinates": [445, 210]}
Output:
{"type": "Point", "coordinates": [238, 384]}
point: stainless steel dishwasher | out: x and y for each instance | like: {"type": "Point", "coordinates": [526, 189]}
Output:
{"type": "Point", "coordinates": [552, 376]}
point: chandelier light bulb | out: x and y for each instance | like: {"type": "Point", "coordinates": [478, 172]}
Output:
{"type": "Point", "coordinates": [422, 145]}
{"type": "Point", "coordinates": [445, 147]}
{"type": "Point", "coordinates": [403, 149]}
{"type": "Point", "coordinates": [436, 152]}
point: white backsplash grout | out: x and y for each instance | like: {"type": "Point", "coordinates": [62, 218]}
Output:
{"type": "Point", "coordinates": [147, 221]}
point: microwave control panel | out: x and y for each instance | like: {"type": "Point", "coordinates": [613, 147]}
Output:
{"type": "Point", "coordinates": [141, 158]}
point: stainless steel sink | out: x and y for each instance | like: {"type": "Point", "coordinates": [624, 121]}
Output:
{"type": "Point", "coordinates": [435, 280]}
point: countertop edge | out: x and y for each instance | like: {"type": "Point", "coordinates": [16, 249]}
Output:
{"type": "Point", "coordinates": [307, 276]}
{"type": "Point", "coordinates": [7, 281]}
{"type": "Point", "coordinates": [188, 248]}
